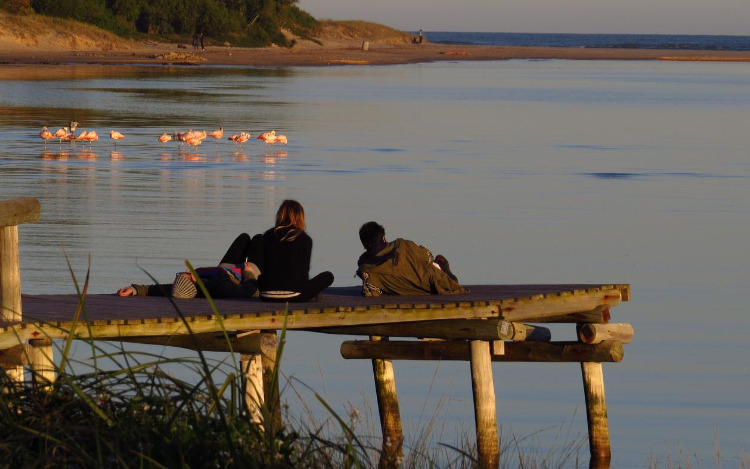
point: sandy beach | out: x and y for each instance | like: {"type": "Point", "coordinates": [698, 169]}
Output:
{"type": "Point", "coordinates": [324, 51]}
{"type": "Point", "coordinates": [343, 55]}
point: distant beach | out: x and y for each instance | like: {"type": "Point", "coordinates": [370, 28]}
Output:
{"type": "Point", "coordinates": [376, 54]}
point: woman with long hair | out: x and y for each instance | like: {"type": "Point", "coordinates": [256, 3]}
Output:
{"type": "Point", "coordinates": [287, 250]}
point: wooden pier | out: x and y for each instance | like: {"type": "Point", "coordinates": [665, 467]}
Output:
{"type": "Point", "coordinates": [490, 323]}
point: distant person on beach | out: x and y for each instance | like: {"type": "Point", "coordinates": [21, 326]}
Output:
{"type": "Point", "coordinates": [201, 39]}
{"type": "Point", "coordinates": [195, 41]}
{"type": "Point", "coordinates": [401, 267]}
{"type": "Point", "coordinates": [287, 250]}
{"type": "Point", "coordinates": [418, 39]}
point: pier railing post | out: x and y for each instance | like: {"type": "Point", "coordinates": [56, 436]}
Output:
{"type": "Point", "coordinates": [390, 417]}
{"type": "Point", "coordinates": [485, 414]}
{"type": "Point", "coordinates": [596, 414]}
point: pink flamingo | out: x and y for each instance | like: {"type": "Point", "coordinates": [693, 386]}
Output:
{"type": "Point", "coordinates": [193, 141]}
{"type": "Point", "coordinates": [45, 135]}
{"type": "Point", "coordinates": [61, 134]}
{"type": "Point", "coordinates": [217, 134]}
{"type": "Point", "coordinates": [266, 135]}
{"type": "Point", "coordinates": [164, 138]}
{"type": "Point", "coordinates": [281, 139]}
{"type": "Point", "coordinates": [242, 138]}
{"type": "Point", "coordinates": [91, 137]}
{"type": "Point", "coordinates": [115, 135]}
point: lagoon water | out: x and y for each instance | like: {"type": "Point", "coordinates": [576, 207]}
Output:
{"type": "Point", "coordinates": [517, 171]}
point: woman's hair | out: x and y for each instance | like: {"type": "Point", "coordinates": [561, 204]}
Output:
{"type": "Point", "coordinates": [290, 220]}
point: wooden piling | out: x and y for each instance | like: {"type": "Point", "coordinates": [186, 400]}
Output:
{"type": "Point", "coordinates": [271, 377]}
{"type": "Point", "coordinates": [596, 413]}
{"type": "Point", "coordinates": [42, 362]}
{"type": "Point", "coordinates": [252, 369]}
{"type": "Point", "coordinates": [390, 417]}
{"type": "Point", "coordinates": [13, 213]}
{"type": "Point", "coordinates": [10, 275]}
{"type": "Point", "coordinates": [485, 414]}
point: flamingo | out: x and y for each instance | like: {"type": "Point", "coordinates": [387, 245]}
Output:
{"type": "Point", "coordinates": [115, 135]}
{"type": "Point", "coordinates": [194, 141]}
{"type": "Point", "coordinates": [201, 134]}
{"type": "Point", "coordinates": [266, 135]}
{"type": "Point", "coordinates": [281, 139]}
{"type": "Point", "coordinates": [165, 137]}
{"type": "Point", "coordinates": [82, 136]}
{"type": "Point", "coordinates": [91, 137]}
{"type": "Point", "coordinates": [242, 138]}
{"type": "Point", "coordinates": [61, 134]}
{"type": "Point", "coordinates": [45, 135]}
{"type": "Point", "coordinates": [217, 134]}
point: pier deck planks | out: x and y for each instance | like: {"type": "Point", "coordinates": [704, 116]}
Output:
{"type": "Point", "coordinates": [110, 316]}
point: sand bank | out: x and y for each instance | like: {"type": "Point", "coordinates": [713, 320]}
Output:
{"type": "Point", "coordinates": [341, 54]}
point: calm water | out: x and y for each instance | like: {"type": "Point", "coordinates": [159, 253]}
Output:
{"type": "Point", "coordinates": [517, 171]}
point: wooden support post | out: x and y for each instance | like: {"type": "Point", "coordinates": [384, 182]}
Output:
{"type": "Point", "coordinates": [42, 363]}
{"type": "Point", "coordinates": [596, 413]}
{"type": "Point", "coordinates": [271, 378]}
{"type": "Point", "coordinates": [390, 417]}
{"type": "Point", "coordinates": [488, 443]}
{"type": "Point", "coordinates": [13, 213]}
{"type": "Point", "coordinates": [10, 275]}
{"type": "Point", "coordinates": [252, 369]}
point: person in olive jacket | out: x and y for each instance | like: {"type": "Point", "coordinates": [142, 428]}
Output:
{"type": "Point", "coordinates": [401, 267]}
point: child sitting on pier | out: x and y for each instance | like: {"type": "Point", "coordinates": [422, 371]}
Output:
{"type": "Point", "coordinates": [401, 267]}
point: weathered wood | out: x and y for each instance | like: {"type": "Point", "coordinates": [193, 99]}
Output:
{"type": "Point", "coordinates": [250, 342]}
{"type": "Point", "coordinates": [520, 332]}
{"type": "Point", "coordinates": [595, 333]}
{"type": "Point", "coordinates": [390, 417]}
{"type": "Point", "coordinates": [558, 308]}
{"type": "Point", "coordinates": [252, 370]}
{"type": "Point", "coordinates": [19, 211]}
{"type": "Point", "coordinates": [596, 412]}
{"type": "Point", "coordinates": [610, 351]}
{"type": "Point", "coordinates": [600, 315]}
{"type": "Point", "coordinates": [271, 385]}
{"type": "Point", "coordinates": [14, 356]}
{"type": "Point", "coordinates": [485, 414]}
{"type": "Point", "coordinates": [449, 329]}
{"type": "Point", "coordinates": [112, 317]}
{"type": "Point", "coordinates": [42, 362]}
{"type": "Point", "coordinates": [10, 275]}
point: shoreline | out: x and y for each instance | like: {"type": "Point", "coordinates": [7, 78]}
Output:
{"type": "Point", "coordinates": [352, 53]}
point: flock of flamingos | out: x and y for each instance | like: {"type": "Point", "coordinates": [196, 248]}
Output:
{"type": "Point", "coordinates": [192, 138]}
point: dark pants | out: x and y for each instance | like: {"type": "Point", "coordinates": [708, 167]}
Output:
{"type": "Point", "coordinates": [243, 248]}
{"type": "Point", "coordinates": [309, 289]}
{"type": "Point", "coordinates": [218, 286]}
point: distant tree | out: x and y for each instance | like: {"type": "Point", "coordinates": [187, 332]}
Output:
{"type": "Point", "coordinates": [17, 7]}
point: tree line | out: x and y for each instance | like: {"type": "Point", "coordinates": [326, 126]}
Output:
{"type": "Point", "coordinates": [240, 22]}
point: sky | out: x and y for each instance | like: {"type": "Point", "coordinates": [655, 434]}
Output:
{"type": "Point", "coordinates": [731, 17]}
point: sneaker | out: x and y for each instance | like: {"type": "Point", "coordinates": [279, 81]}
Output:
{"type": "Point", "coordinates": [445, 266]}
{"type": "Point", "coordinates": [183, 287]}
